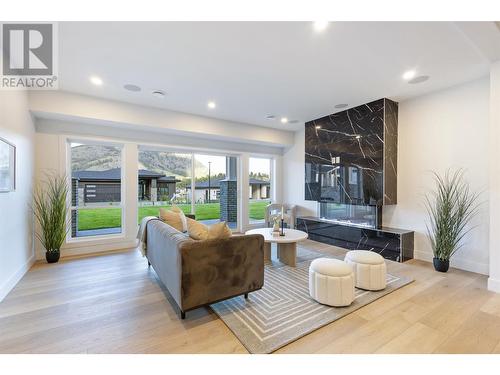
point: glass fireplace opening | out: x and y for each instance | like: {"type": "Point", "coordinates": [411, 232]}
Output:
{"type": "Point", "coordinates": [350, 214]}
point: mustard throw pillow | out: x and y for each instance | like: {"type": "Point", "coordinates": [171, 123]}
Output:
{"type": "Point", "coordinates": [219, 231]}
{"type": "Point", "coordinates": [174, 208]}
{"type": "Point", "coordinates": [183, 217]}
{"type": "Point", "coordinates": [199, 231]}
{"type": "Point", "coordinates": [176, 220]}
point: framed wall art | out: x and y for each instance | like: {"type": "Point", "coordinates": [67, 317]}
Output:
{"type": "Point", "coordinates": [7, 166]}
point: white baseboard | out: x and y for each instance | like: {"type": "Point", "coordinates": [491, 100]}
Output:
{"type": "Point", "coordinates": [97, 249]}
{"type": "Point", "coordinates": [466, 265]}
{"type": "Point", "coordinates": [494, 285]}
{"type": "Point", "coordinates": [91, 247]}
{"type": "Point", "coordinates": [12, 281]}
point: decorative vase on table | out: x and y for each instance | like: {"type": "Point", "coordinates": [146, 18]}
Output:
{"type": "Point", "coordinates": [276, 224]}
{"type": "Point", "coordinates": [450, 207]}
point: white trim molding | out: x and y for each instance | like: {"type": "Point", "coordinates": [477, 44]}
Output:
{"type": "Point", "coordinates": [494, 175]}
{"type": "Point", "coordinates": [12, 281]}
{"type": "Point", "coordinates": [466, 265]}
{"type": "Point", "coordinates": [494, 285]}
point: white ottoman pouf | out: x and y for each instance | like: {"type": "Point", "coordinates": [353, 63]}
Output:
{"type": "Point", "coordinates": [369, 269]}
{"type": "Point", "coordinates": [331, 282]}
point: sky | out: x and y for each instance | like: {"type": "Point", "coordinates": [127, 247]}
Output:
{"type": "Point", "coordinates": [257, 165]}
{"type": "Point", "coordinates": [218, 164]}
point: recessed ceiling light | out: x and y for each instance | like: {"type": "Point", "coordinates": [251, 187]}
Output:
{"type": "Point", "coordinates": [318, 126]}
{"type": "Point", "coordinates": [96, 80]}
{"type": "Point", "coordinates": [270, 117]}
{"type": "Point", "coordinates": [343, 105]}
{"type": "Point", "coordinates": [320, 25]}
{"type": "Point", "coordinates": [409, 75]}
{"type": "Point", "coordinates": [158, 94]}
{"type": "Point", "coordinates": [284, 120]}
{"type": "Point", "coordinates": [418, 79]}
{"type": "Point", "coordinates": [211, 105]}
{"type": "Point", "coordinates": [131, 87]}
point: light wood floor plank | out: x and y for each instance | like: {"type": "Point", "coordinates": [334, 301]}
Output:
{"type": "Point", "coordinates": [114, 303]}
{"type": "Point", "coordinates": [479, 334]}
{"type": "Point", "coordinates": [418, 339]}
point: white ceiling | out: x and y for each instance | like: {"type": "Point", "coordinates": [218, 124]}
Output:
{"type": "Point", "coordinates": [255, 69]}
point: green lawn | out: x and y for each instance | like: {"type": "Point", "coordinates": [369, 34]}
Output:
{"type": "Point", "coordinates": [99, 218]}
{"type": "Point", "coordinates": [111, 217]}
{"type": "Point", "coordinates": [257, 209]}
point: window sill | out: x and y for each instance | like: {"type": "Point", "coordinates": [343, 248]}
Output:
{"type": "Point", "coordinates": [95, 239]}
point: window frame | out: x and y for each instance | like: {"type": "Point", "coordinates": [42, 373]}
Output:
{"type": "Point", "coordinates": [272, 186]}
{"type": "Point", "coordinates": [123, 183]}
{"type": "Point", "coordinates": [192, 152]}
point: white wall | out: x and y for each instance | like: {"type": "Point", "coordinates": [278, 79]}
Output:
{"type": "Point", "coordinates": [16, 234]}
{"type": "Point", "coordinates": [445, 129]}
{"type": "Point", "coordinates": [494, 279]}
{"type": "Point", "coordinates": [293, 177]}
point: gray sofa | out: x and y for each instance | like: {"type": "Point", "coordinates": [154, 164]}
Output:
{"type": "Point", "coordinates": [198, 273]}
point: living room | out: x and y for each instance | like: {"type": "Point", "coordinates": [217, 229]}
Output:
{"type": "Point", "coordinates": [236, 187]}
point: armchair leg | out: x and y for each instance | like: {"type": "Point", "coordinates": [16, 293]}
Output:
{"type": "Point", "coordinates": [183, 315]}
{"type": "Point", "coordinates": [149, 264]}
{"type": "Point", "coordinates": [246, 295]}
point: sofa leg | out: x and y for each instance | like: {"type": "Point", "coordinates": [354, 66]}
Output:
{"type": "Point", "coordinates": [183, 315]}
{"type": "Point", "coordinates": [246, 295]}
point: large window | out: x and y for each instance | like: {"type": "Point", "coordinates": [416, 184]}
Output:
{"type": "Point", "coordinates": [259, 188]}
{"type": "Point", "coordinates": [215, 192]}
{"type": "Point", "coordinates": [96, 189]}
{"type": "Point", "coordinates": [164, 179]}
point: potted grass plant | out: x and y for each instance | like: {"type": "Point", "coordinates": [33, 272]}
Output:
{"type": "Point", "coordinates": [50, 210]}
{"type": "Point", "coordinates": [450, 207]}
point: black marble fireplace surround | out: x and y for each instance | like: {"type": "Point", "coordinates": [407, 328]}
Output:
{"type": "Point", "coordinates": [391, 243]}
{"type": "Point", "coordinates": [351, 171]}
{"type": "Point", "coordinates": [351, 156]}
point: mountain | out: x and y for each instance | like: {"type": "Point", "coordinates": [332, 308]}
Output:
{"type": "Point", "coordinates": [94, 158]}
{"type": "Point", "coordinates": [99, 158]}
{"type": "Point", "coordinates": [171, 164]}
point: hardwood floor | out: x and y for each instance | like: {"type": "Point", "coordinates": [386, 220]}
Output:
{"type": "Point", "coordinates": [115, 304]}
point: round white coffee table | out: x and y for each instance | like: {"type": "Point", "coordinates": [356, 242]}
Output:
{"type": "Point", "coordinates": [287, 244]}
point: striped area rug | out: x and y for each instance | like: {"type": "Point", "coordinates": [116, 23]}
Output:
{"type": "Point", "coordinates": [282, 311]}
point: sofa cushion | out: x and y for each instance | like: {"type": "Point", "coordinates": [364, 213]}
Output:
{"type": "Point", "coordinates": [183, 217]}
{"type": "Point", "coordinates": [176, 220]}
{"type": "Point", "coordinates": [219, 231]}
{"type": "Point", "coordinates": [200, 231]}
{"type": "Point", "coordinates": [197, 230]}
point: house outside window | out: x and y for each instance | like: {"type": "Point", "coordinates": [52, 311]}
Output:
{"type": "Point", "coordinates": [96, 189]}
